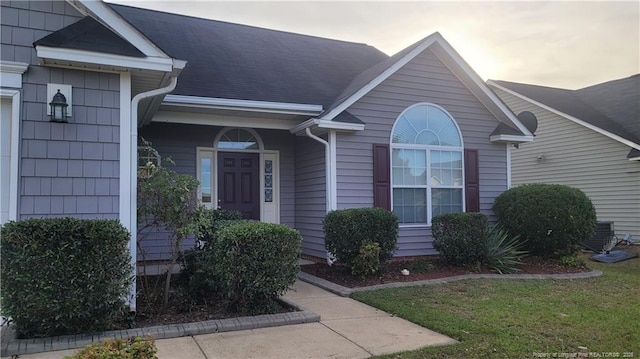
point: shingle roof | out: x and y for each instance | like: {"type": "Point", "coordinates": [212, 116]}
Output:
{"type": "Point", "coordinates": [226, 60]}
{"type": "Point", "coordinates": [88, 34]}
{"type": "Point", "coordinates": [612, 106]}
{"type": "Point", "coordinates": [618, 99]}
{"type": "Point", "coordinates": [369, 74]}
{"type": "Point", "coordinates": [241, 62]}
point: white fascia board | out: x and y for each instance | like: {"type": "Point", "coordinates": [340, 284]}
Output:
{"type": "Point", "coordinates": [376, 81]}
{"type": "Point", "coordinates": [511, 138]}
{"type": "Point", "coordinates": [101, 59]}
{"type": "Point", "coordinates": [102, 12]}
{"type": "Point", "coordinates": [344, 126]}
{"type": "Point", "coordinates": [224, 121]}
{"type": "Point", "coordinates": [243, 105]}
{"type": "Point", "coordinates": [178, 66]}
{"type": "Point", "coordinates": [482, 86]}
{"type": "Point", "coordinates": [12, 73]}
{"type": "Point", "coordinates": [327, 124]}
{"type": "Point", "coordinates": [304, 125]}
{"type": "Point", "coordinates": [567, 116]}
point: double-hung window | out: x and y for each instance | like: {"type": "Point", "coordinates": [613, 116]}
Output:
{"type": "Point", "coordinates": [426, 164]}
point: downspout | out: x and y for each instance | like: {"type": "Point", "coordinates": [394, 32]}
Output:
{"type": "Point", "coordinates": [330, 201]}
{"type": "Point", "coordinates": [134, 180]}
{"type": "Point", "coordinates": [334, 170]}
{"type": "Point", "coordinates": [509, 165]}
{"type": "Point", "coordinates": [328, 170]}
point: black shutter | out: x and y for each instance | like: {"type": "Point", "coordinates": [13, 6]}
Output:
{"type": "Point", "coordinates": [381, 176]}
{"type": "Point", "coordinates": [471, 181]}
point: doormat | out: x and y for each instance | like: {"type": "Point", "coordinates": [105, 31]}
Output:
{"type": "Point", "coordinates": [613, 256]}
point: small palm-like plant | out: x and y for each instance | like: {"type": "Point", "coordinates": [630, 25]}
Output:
{"type": "Point", "coordinates": [502, 252]}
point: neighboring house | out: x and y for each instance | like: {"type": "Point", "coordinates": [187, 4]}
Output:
{"type": "Point", "coordinates": [588, 139]}
{"type": "Point", "coordinates": [281, 126]}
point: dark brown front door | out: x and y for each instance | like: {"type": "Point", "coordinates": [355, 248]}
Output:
{"type": "Point", "coordinates": [239, 184]}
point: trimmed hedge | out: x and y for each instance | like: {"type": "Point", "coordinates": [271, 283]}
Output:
{"type": "Point", "coordinates": [208, 222]}
{"type": "Point", "coordinates": [257, 262]}
{"type": "Point", "coordinates": [348, 230]}
{"type": "Point", "coordinates": [199, 265]}
{"type": "Point", "coordinates": [247, 265]}
{"type": "Point", "coordinates": [552, 219]}
{"type": "Point", "coordinates": [460, 237]}
{"type": "Point", "coordinates": [64, 275]}
{"type": "Point", "coordinates": [367, 262]}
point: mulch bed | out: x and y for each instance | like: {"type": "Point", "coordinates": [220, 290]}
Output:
{"type": "Point", "coordinates": [422, 269]}
{"type": "Point", "coordinates": [182, 309]}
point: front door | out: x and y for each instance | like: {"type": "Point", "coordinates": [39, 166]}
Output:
{"type": "Point", "coordinates": [239, 183]}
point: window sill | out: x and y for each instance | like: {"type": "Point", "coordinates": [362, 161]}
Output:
{"type": "Point", "coordinates": [414, 226]}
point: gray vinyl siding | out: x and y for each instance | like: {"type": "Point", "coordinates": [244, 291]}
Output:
{"type": "Point", "coordinates": [67, 169]}
{"type": "Point", "coordinates": [24, 22]}
{"type": "Point", "coordinates": [579, 157]}
{"type": "Point", "coordinates": [310, 183]}
{"type": "Point", "coordinates": [424, 79]}
{"type": "Point", "coordinates": [180, 142]}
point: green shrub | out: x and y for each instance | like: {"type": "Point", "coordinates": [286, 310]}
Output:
{"type": "Point", "coordinates": [134, 348]}
{"type": "Point", "coordinates": [502, 251]}
{"type": "Point", "coordinates": [347, 230]}
{"type": "Point", "coordinates": [64, 275]}
{"type": "Point", "coordinates": [551, 219]}
{"type": "Point", "coordinates": [572, 260]}
{"type": "Point", "coordinates": [207, 222]}
{"type": "Point", "coordinates": [198, 273]}
{"type": "Point", "coordinates": [460, 237]}
{"type": "Point", "coordinates": [367, 261]}
{"type": "Point", "coordinates": [255, 263]}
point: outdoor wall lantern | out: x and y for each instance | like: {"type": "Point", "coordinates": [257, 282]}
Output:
{"type": "Point", "coordinates": [58, 108]}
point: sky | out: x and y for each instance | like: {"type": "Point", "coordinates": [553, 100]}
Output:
{"type": "Point", "coordinates": [566, 44]}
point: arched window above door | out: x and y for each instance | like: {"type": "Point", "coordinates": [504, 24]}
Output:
{"type": "Point", "coordinates": [238, 139]}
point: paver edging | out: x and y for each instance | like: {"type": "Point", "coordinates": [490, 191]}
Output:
{"type": "Point", "coordinates": [346, 292]}
{"type": "Point", "coordinates": [12, 346]}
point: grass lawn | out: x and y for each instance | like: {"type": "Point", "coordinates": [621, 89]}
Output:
{"type": "Point", "coordinates": [515, 319]}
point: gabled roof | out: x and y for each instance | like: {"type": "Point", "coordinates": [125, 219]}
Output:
{"type": "Point", "coordinates": [88, 34]}
{"type": "Point", "coordinates": [235, 62]}
{"type": "Point", "coordinates": [510, 129]}
{"type": "Point", "coordinates": [366, 77]}
{"type": "Point", "coordinates": [242, 62]}
{"type": "Point", "coordinates": [102, 13]}
{"type": "Point", "coordinates": [611, 108]}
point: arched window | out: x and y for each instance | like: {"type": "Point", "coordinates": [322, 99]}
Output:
{"type": "Point", "coordinates": [426, 164]}
{"type": "Point", "coordinates": [238, 139]}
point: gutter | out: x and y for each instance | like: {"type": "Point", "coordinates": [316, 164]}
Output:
{"type": "Point", "coordinates": [330, 173]}
{"type": "Point", "coordinates": [328, 169]}
{"type": "Point", "coordinates": [327, 124]}
{"type": "Point", "coordinates": [133, 138]}
{"type": "Point", "coordinates": [243, 105]}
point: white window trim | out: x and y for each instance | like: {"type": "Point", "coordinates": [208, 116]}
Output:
{"type": "Point", "coordinates": [428, 149]}
{"type": "Point", "coordinates": [205, 153]}
{"type": "Point", "coordinates": [227, 129]}
{"type": "Point", "coordinates": [11, 85]}
{"type": "Point", "coordinates": [14, 96]}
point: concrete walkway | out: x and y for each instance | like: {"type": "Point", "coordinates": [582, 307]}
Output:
{"type": "Point", "coordinates": [347, 329]}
